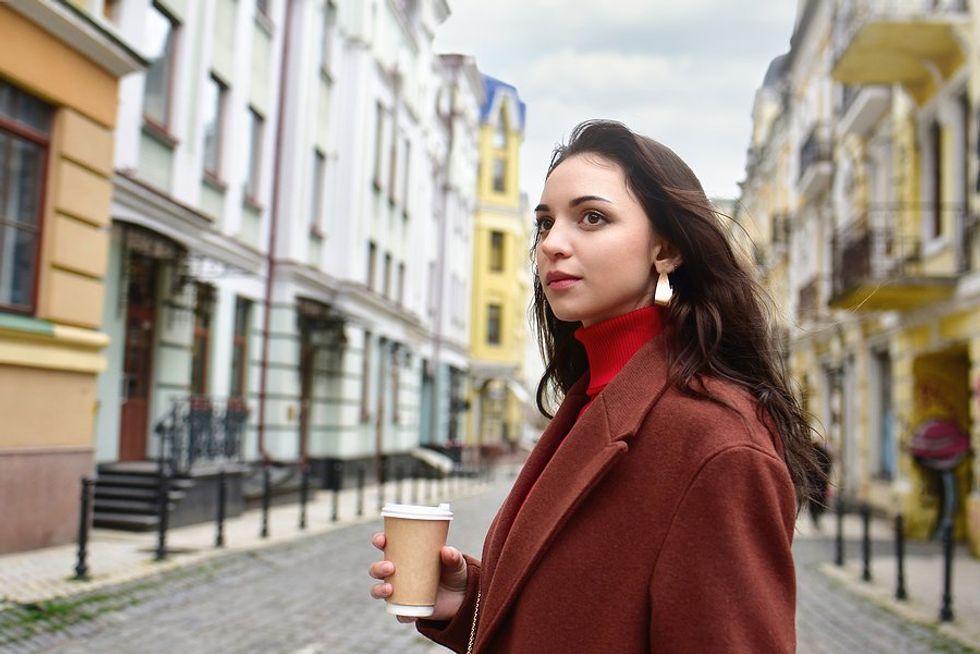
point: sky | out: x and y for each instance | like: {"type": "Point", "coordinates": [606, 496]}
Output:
{"type": "Point", "coordinates": [684, 72]}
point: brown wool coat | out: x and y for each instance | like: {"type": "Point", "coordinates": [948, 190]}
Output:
{"type": "Point", "coordinates": [655, 525]}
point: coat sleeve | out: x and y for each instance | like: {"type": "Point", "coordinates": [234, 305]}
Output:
{"type": "Point", "coordinates": [724, 580]}
{"type": "Point", "coordinates": [455, 633]}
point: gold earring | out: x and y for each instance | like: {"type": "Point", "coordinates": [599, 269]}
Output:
{"type": "Point", "coordinates": [664, 291]}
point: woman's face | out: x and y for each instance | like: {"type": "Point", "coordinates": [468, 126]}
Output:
{"type": "Point", "coordinates": [595, 251]}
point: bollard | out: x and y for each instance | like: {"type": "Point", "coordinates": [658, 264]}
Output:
{"type": "Point", "coordinates": [415, 488]}
{"type": "Point", "coordinates": [360, 490]}
{"type": "Point", "coordinates": [398, 485]}
{"type": "Point", "coordinates": [84, 518]}
{"type": "Point", "coordinates": [338, 478]}
{"type": "Point", "coordinates": [839, 541]}
{"type": "Point", "coordinates": [219, 537]}
{"type": "Point", "coordinates": [163, 501]}
{"type": "Point", "coordinates": [304, 491]}
{"type": "Point", "coordinates": [266, 497]}
{"type": "Point", "coordinates": [946, 610]}
{"type": "Point", "coordinates": [382, 476]}
{"type": "Point", "coordinates": [445, 484]}
{"type": "Point", "coordinates": [900, 557]}
{"type": "Point", "coordinates": [866, 542]}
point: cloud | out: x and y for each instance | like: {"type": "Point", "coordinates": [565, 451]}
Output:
{"type": "Point", "coordinates": [684, 73]}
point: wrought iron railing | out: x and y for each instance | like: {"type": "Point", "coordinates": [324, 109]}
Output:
{"type": "Point", "coordinates": [852, 15]}
{"type": "Point", "coordinates": [201, 429]}
{"type": "Point", "coordinates": [816, 148]}
{"type": "Point", "coordinates": [868, 253]}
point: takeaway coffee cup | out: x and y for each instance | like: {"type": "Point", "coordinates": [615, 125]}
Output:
{"type": "Point", "coordinates": [413, 537]}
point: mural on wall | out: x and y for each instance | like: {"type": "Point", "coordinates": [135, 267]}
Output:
{"type": "Point", "coordinates": [938, 441]}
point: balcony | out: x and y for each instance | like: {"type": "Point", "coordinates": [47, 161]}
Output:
{"type": "Point", "coordinates": [816, 162]}
{"type": "Point", "coordinates": [862, 107]}
{"type": "Point", "coordinates": [878, 267]}
{"type": "Point", "coordinates": [909, 42]}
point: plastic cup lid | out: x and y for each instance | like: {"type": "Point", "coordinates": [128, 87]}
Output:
{"type": "Point", "coordinates": [417, 512]}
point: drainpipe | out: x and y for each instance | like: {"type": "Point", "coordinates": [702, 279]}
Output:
{"type": "Point", "coordinates": [273, 229]}
{"type": "Point", "coordinates": [441, 256]}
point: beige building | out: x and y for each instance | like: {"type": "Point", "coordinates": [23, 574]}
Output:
{"type": "Point", "coordinates": [59, 70]}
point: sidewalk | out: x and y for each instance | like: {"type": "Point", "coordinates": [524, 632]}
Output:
{"type": "Point", "coordinates": [923, 575]}
{"type": "Point", "coordinates": [119, 556]}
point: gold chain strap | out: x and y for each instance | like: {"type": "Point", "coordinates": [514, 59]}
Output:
{"type": "Point", "coordinates": [476, 613]}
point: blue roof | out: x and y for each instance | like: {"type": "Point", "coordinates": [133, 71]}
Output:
{"type": "Point", "coordinates": [494, 87]}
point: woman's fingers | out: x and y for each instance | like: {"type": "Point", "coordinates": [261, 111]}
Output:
{"type": "Point", "coordinates": [405, 618]}
{"type": "Point", "coordinates": [380, 591]}
{"type": "Point", "coordinates": [381, 569]}
{"type": "Point", "coordinates": [378, 540]}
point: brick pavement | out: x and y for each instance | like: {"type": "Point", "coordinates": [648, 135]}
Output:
{"type": "Point", "coordinates": [310, 596]}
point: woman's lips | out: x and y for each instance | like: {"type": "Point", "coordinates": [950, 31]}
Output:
{"type": "Point", "coordinates": [566, 282]}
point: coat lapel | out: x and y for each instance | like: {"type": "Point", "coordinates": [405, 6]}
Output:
{"type": "Point", "coordinates": [568, 462]}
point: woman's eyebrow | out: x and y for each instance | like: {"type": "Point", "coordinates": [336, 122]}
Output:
{"type": "Point", "coordinates": [575, 202]}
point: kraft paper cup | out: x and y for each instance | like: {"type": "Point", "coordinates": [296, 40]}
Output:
{"type": "Point", "coordinates": [413, 537]}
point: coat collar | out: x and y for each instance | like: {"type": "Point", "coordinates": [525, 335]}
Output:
{"type": "Point", "coordinates": [569, 460]}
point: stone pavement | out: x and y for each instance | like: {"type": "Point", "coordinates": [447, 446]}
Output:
{"type": "Point", "coordinates": [118, 557]}
{"type": "Point", "coordinates": [923, 576]}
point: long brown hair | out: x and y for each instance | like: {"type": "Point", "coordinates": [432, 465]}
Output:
{"type": "Point", "coordinates": [719, 322]}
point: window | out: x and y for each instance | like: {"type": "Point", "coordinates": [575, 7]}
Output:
{"type": "Point", "coordinates": [401, 283]}
{"type": "Point", "coordinates": [253, 155]}
{"type": "Point", "coordinates": [500, 132]}
{"type": "Point", "coordinates": [499, 174]}
{"type": "Point", "coordinates": [366, 378]}
{"type": "Point", "coordinates": [406, 166]}
{"type": "Point", "coordinates": [329, 28]}
{"type": "Point", "coordinates": [387, 278]}
{"type": "Point", "coordinates": [25, 124]}
{"type": "Point", "coordinates": [159, 41]}
{"type": "Point", "coordinates": [936, 143]}
{"type": "Point", "coordinates": [239, 347]}
{"type": "Point", "coordinates": [316, 196]}
{"type": "Point", "coordinates": [493, 324]}
{"type": "Point", "coordinates": [203, 308]}
{"type": "Point", "coordinates": [393, 170]}
{"type": "Point", "coordinates": [371, 263]}
{"type": "Point", "coordinates": [884, 416]}
{"type": "Point", "coordinates": [431, 304]}
{"type": "Point", "coordinates": [379, 132]}
{"type": "Point", "coordinates": [262, 6]}
{"type": "Point", "coordinates": [110, 10]}
{"type": "Point", "coordinates": [215, 96]}
{"type": "Point", "coordinates": [496, 251]}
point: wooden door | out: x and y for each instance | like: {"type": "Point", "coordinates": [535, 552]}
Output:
{"type": "Point", "coordinates": [138, 358]}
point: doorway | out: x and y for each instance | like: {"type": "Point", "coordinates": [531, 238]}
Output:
{"type": "Point", "coordinates": [138, 356]}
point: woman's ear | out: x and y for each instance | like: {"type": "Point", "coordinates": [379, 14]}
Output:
{"type": "Point", "coordinates": [666, 258]}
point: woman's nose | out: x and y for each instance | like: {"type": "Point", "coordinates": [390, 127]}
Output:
{"type": "Point", "coordinates": [556, 242]}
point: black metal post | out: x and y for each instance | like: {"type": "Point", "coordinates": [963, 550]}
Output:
{"type": "Point", "coordinates": [399, 476]}
{"type": "Point", "coordinates": [360, 490]}
{"type": "Point", "coordinates": [163, 499]}
{"type": "Point", "coordinates": [946, 610]}
{"type": "Point", "coordinates": [900, 557]}
{"type": "Point", "coordinates": [266, 498]}
{"type": "Point", "coordinates": [84, 518]}
{"type": "Point", "coordinates": [445, 485]}
{"type": "Point", "coordinates": [839, 542]}
{"type": "Point", "coordinates": [219, 537]}
{"type": "Point", "coordinates": [866, 541]}
{"type": "Point", "coordinates": [415, 487]}
{"type": "Point", "coordinates": [338, 483]}
{"type": "Point", "coordinates": [304, 490]}
{"type": "Point", "coordinates": [382, 477]}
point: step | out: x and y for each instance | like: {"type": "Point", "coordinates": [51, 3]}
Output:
{"type": "Point", "coordinates": [129, 506]}
{"type": "Point", "coordinates": [134, 493]}
{"type": "Point", "coordinates": [128, 521]}
{"type": "Point", "coordinates": [141, 481]}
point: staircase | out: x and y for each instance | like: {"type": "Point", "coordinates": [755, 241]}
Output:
{"type": "Point", "coordinates": [126, 495]}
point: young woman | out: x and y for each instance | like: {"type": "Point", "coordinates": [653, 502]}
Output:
{"type": "Point", "coordinates": [656, 512]}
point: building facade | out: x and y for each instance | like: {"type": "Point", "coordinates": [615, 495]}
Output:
{"type": "Point", "coordinates": [57, 115]}
{"type": "Point", "coordinates": [878, 116]}
{"type": "Point", "coordinates": [500, 271]}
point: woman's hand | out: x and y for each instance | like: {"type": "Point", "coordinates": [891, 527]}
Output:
{"type": "Point", "coordinates": [452, 581]}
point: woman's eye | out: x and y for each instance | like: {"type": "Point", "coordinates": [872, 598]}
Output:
{"type": "Point", "coordinates": [544, 224]}
{"type": "Point", "coordinates": [593, 218]}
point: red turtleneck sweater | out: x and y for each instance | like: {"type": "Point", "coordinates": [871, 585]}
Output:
{"type": "Point", "coordinates": [611, 343]}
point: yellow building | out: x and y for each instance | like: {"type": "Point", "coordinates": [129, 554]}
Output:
{"type": "Point", "coordinates": [500, 274]}
{"type": "Point", "coordinates": [59, 69]}
{"type": "Point", "coordinates": [882, 287]}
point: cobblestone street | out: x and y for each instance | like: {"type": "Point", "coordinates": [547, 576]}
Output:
{"type": "Point", "coordinates": [311, 597]}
